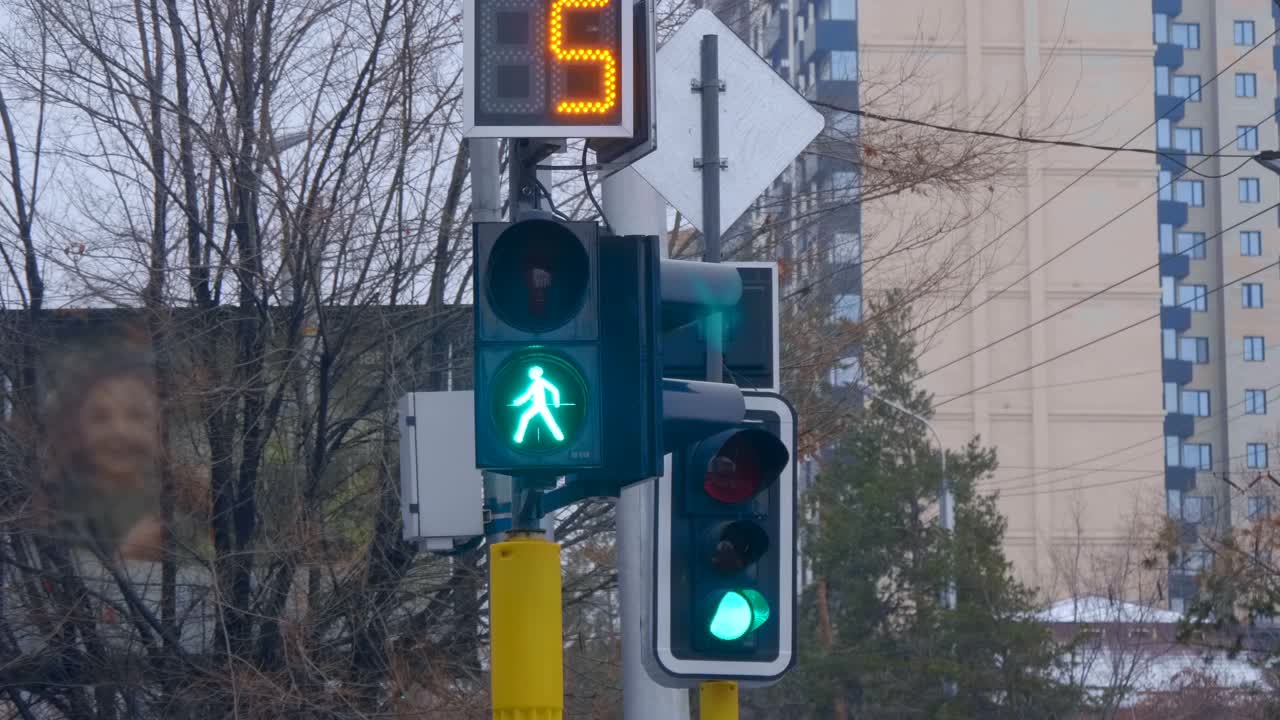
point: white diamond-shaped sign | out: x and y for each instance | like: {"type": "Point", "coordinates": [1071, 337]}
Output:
{"type": "Point", "coordinates": [764, 123]}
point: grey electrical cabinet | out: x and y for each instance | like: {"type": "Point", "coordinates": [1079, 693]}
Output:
{"type": "Point", "coordinates": [441, 491]}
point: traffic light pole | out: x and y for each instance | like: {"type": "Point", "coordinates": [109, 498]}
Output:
{"type": "Point", "coordinates": [525, 594]}
{"type": "Point", "coordinates": [635, 208]}
{"type": "Point", "coordinates": [710, 164]}
{"type": "Point", "coordinates": [718, 699]}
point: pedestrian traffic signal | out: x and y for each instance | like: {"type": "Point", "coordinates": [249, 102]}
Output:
{"type": "Point", "coordinates": [724, 591]}
{"type": "Point", "coordinates": [537, 345]}
{"type": "Point", "coordinates": [565, 382]}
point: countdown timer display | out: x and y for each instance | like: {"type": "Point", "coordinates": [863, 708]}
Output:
{"type": "Point", "coordinates": [548, 68]}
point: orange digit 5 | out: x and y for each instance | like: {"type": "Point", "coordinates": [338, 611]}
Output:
{"type": "Point", "coordinates": [609, 66]}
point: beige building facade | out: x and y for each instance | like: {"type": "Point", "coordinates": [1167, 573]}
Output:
{"type": "Point", "coordinates": [1031, 347]}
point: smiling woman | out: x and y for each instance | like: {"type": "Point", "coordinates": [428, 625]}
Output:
{"type": "Point", "coordinates": [102, 456]}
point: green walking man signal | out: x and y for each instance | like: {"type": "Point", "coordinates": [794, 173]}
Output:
{"type": "Point", "coordinates": [536, 398]}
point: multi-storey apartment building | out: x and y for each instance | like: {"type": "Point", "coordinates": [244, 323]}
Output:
{"type": "Point", "coordinates": [1078, 431]}
{"type": "Point", "coordinates": [1086, 446]}
{"type": "Point", "coordinates": [1215, 96]}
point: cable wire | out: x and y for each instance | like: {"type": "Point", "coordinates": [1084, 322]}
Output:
{"type": "Point", "coordinates": [1126, 211]}
{"type": "Point", "coordinates": [1021, 138]}
{"type": "Point", "coordinates": [969, 311]}
{"type": "Point", "coordinates": [1099, 339]}
{"type": "Point", "coordinates": [970, 258]}
{"type": "Point", "coordinates": [1091, 296]}
{"type": "Point", "coordinates": [1226, 418]}
{"type": "Point", "coordinates": [586, 180]}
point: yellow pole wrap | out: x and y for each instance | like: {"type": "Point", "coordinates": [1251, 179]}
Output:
{"type": "Point", "coordinates": [526, 650]}
{"type": "Point", "coordinates": [718, 700]}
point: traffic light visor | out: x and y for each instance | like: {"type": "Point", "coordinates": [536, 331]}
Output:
{"type": "Point", "coordinates": [537, 275]}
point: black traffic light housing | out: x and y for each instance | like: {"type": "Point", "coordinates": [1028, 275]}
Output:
{"type": "Point", "coordinates": [566, 380]}
{"type": "Point", "coordinates": [725, 541]}
{"type": "Point", "coordinates": [723, 602]}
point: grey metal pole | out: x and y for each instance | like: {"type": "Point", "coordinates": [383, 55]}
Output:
{"type": "Point", "coordinates": [634, 208]}
{"type": "Point", "coordinates": [709, 86]}
{"type": "Point", "coordinates": [486, 192]}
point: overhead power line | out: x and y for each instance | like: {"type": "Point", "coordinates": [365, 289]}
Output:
{"type": "Point", "coordinates": [1092, 295]}
{"type": "Point", "coordinates": [1099, 339]}
{"type": "Point", "coordinates": [1017, 484]}
{"type": "Point", "coordinates": [1110, 154]}
{"type": "Point", "coordinates": [1030, 140]}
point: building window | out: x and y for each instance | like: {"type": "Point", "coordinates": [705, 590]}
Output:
{"type": "Point", "coordinates": [1195, 561]}
{"type": "Point", "coordinates": [1249, 190]}
{"type": "Point", "coordinates": [846, 249]}
{"type": "Point", "coordinates": [1171, 397]}
{"type": "Point", "coordinates": [848, 307]}
{"type": "Point", "coordinates": [1187, 86]}
{"type": "Point", "coordinates": [1160, 28]}
{"type": "Point", "coordinates": [843, 65]}
{"type": "Point", "coordinates": [1164, 133]}
{"type": "Point", "coordinates": [1255, 402]}
{"type": "Point", "coordinates": [847, 372]}
{"type": "Point", "coordinates": [1190, 192]}
{"type": "Point", "coordinates": [1256, 456]}
{"type": "Point", "coordinates": [1169, 344]}
{"type": "Point", "coordinates": [1259, 507]}
{"type": "Point", "coordinates": [1164, 184]}
{"type": "Point", "coordinates": [1188, 139]}
{"type": "Point", "coordinates": [1195, 402]}
{"type": "Point", "coordinates": [1246, 85]}
{"type": "Point", "coordinates": [1197, 509]}
{"type": "Point", "coordinates": [1195, 297]}
{"type": "Point", "coordinates": [1166, 239]}
{"type": "Point", "coordinates": [1195, 349]}
{"type": "Point", "coordinates": [842, 9]}
{"type": "Point", "coordinates": [1172, 451]}
{"type": "Point", "coordinates": [1246, 137]}
{"type": "Point", "coordinates": [1251, 295]}
{"type": "Point", "coordinates": [1250, 243]}
{"type": "Point", "coordinates": [1186, 34]}
{"type": "Point", "coordinates": [1243, 32]}
{"type": "Point", "coordinates": [1192, 245]}
{"type": "Point", "coordinates": [1255, 348]}
{"type": "Point", "coordinates": [1198, 456]}
{"type": "Point", "coordinates": [1168, 289]}
{"type": "Point", "coordinates": [1173, 503]}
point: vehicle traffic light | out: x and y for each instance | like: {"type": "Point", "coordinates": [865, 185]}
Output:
{"type": "Point", "coordinates": [565, 379]}
{"type": "Point", "coordinates": [727, 536]}
{"type": "Point", "coordinates": [725, 588]}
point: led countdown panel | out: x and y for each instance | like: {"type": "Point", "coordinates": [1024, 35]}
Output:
{"type": "Point", "coordinates": [548, 68]}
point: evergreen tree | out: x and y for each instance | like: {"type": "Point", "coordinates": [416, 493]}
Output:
{"type": "Point", "coordinates": [878, 641]}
